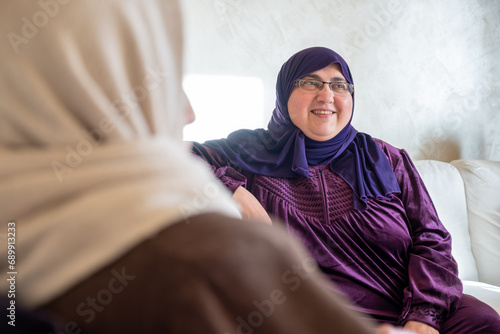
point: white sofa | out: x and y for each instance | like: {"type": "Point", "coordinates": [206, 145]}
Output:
{"type": "Point", "coordinates": [466, 194]}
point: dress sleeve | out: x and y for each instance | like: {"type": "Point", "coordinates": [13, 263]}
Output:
{"type": "Point", "coordinates": [220, 166]}
{"type": "Point", "coordinates": [434, 288]}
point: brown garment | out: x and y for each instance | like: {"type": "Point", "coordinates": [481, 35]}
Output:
{"type": "Point", "coordinates": [209, 274]}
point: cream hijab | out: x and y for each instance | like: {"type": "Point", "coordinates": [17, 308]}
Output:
{"type": "Point", "coordinates": [91, 114]}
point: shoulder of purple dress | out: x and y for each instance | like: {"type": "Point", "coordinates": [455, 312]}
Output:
{"type": "Point", "coordinates": [387, 148]}
{"type": "Point", "coordinates": [396, 156]}
{"type": "Point", "coordinates": [211, 156]}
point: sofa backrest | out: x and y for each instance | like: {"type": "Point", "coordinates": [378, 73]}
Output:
{"type": "Point", "coordinates": [482, 189]}
{"type": "Point", "coordinates": [446, 188]}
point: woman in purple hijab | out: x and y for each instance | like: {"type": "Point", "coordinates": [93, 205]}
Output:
{"type": "Point", "coordinates": [357, 203]}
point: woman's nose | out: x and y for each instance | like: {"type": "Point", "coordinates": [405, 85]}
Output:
{"type": "Point", "coordinates": [325, 95]}
{"type": "Point", "coordinates": [189, 112]}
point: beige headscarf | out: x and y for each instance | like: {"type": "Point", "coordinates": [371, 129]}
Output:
{"type": "Point", "coordinates": [91, 114]}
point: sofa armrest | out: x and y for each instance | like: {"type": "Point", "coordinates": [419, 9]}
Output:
{"type": "Point", "coordinates": [487, 293]}
{"type": "Point", "coordinates": [446, 188]}
{"type": "Point", "coordinates": [482, 189]}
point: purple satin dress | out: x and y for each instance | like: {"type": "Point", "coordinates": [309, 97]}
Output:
{"type": "Point", "coordinates": [393, 260]}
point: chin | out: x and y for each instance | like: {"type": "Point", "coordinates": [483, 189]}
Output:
{"type": "Point", "coordinates": [320, 137]}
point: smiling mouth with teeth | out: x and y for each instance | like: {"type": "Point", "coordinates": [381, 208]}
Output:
{"type": "Point", "coordinates": [322, 112]}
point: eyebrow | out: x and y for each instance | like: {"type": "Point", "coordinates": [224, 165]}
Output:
{"type": "Point", "coordinates": [334, 79]}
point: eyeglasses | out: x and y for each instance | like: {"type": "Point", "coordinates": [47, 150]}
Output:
{"type": "Point", "coordinates": [339, 88]}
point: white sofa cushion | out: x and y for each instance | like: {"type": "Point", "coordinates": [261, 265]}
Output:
{"type": "Point", "coordinates": [489, 294]}
{"type": "Point", "coordinates": [482, 188]}
{"type": "Point", "coordinates": [446, 188]}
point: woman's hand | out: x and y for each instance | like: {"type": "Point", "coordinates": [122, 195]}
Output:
{"type": "Point", "coordinates": [420, 328]}
{"type": "Point", "coordinates": [388, 329]}
{"type": "Point", "coordinates": [250, 207]}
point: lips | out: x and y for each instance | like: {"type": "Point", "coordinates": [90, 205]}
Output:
{"type": "Point", "coordinates": [322, 112]}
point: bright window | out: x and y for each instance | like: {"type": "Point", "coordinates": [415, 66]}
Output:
{"type": "Point", "coordinates": [223, 104]}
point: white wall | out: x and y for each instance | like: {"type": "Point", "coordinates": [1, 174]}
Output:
{"type": "Point", "coordinates": [426, 72]}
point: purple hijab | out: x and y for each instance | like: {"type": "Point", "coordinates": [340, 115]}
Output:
{"type": "Point", "coordinates": [284, 151]}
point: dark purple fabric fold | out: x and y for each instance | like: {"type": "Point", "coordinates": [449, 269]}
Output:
{"type": "Point", "coordinates": [284, 151]}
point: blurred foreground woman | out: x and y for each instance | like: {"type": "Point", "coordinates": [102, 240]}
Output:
{"type": "Point", "coordinates": [117, 229]}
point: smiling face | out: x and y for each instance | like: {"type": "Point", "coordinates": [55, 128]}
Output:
{"type": "Point", "coordinates": [320, 116]}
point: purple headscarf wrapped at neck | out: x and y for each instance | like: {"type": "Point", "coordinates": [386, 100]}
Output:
{"type": "Point", "coordinates": [284, 151]}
